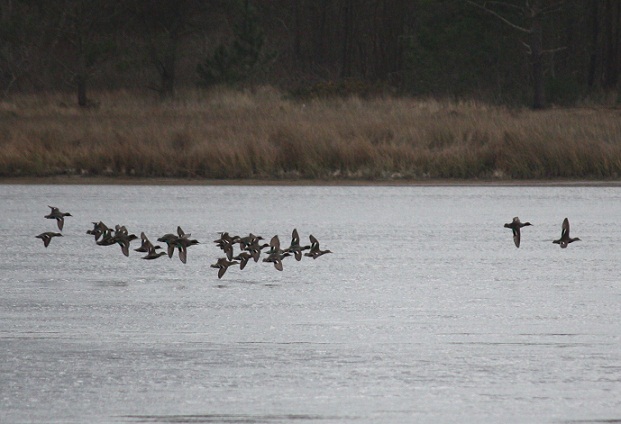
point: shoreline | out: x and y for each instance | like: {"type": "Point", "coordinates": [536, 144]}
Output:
{"type": "Point", "coordinates": [73, 180]}
{"type": "Point", "coordinates": [265, 139]}
{"type": "Point", "coordinates": [243, 136]}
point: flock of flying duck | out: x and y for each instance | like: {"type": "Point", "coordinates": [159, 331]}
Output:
{"type": "Point", "coordinates": [564, 241]}
{"type": "Point", "coordinates": [250, 247]}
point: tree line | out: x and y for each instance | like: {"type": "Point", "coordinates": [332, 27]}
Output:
{"type": "Point", "coordinates": [535, 52]}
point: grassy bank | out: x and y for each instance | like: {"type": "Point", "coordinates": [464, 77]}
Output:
{"type": "Point", "coordinates": [262, 135]}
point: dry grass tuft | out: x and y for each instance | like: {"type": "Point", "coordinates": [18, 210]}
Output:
{"type": "Point", "coordinates": [229, 134]}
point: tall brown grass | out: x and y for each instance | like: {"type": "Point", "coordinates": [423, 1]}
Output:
{"type": "Point", "coordinates": [264, 135]}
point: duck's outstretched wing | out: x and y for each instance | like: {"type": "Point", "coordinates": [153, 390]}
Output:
{"type": "Point", "coordinates": [125, 247]}
{"type": "Point", "coordinates": [183, 255]}
{"type": "Point", "coordinates": [314, 243]}
{"type": "Point", "coordinates": [182, 233]}
{"type": "Point", "coordinates": [516, 236]}
{"type": "Point", "coordinates": [46, 239]}
{"type": "Point", "coordinates": [221, 271]}
{"type": "Point", "coordinates": [565, 229]}
{"type": "Point", "coordinates": [278, 264]}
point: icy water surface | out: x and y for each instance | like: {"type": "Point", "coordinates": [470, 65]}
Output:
{"type": "Point", "coordinates": [425, 312]}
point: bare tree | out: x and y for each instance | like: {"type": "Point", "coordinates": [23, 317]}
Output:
{"type": "Point", "coordinates": [20, 39]}
{"type": "Point", "coordinates": [612, 28]}
{"type": "Point", "coordinates": [531, 15]}
{"type": "Point", "coordinates": [82, 39]}
{"type": "Point", "coordinates": [165, 24]}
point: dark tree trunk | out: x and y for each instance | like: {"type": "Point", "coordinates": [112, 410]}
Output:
{"type": "Point", "coordinates": [168, 63]}
{"type": "Point", "coordinates": [348, 42]}
{"type": "Point", "coordinates": [593, 62]}
{"type": "Point", "coordinates": [82, 72]}
{"type": "Point", "coordinates": [167, 75]}
{"type": "Point", "coordinates": [389, 46]}
{"type": "Point", "coordinates": [81, 83]}
{"type": "Point", "coordinates": [320, 54]}
{"type": "Point", "coordinates": [297, 32]}
{"type": "Point", "coordinates": [167, 87]}
{"type": "Point", "coordinates": [536, 47]}
{"type": "Point", "coordinates": [611, 57]}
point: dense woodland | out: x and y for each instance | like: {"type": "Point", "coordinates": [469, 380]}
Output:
{"type": "Point", "coordinates": [516, 52]}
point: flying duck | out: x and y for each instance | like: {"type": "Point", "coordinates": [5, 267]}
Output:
{"type": "Point", "coordinates": [223, 264]}
{"type": "Point", "coordinates": [58, 216]}
{"type": "Point", "coordinates": [515, 226]}
{"type": "Point", "coordinates": [295, 247]}
{"type": "Point", "coordinates": [315, 251]}
{"type": "Point", "coordinates": [47, 237]}
{"type": "Point", "coordinates": [565, 239]}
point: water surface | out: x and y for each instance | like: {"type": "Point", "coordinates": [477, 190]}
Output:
{"type": "Point", "coordinates": [425, 312]}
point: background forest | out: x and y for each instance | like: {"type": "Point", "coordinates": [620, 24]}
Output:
{"type": "Point", "coordinates": [317, 89]}
{"type": "Point", "coordinates": [515, 52]}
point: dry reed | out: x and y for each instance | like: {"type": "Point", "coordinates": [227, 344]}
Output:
{"type": "Point", "coordinates": [261, 135]}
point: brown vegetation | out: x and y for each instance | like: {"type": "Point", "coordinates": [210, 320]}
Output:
{"type": "Point", "coordinates": [261, 135]}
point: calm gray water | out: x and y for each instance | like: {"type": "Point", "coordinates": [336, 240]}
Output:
{"type": "Point", "coordinates": [425, 312]}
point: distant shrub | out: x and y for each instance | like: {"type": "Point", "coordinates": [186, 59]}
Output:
{"type": "Point", "coordinates": [233, 63]}
{"type": "Point", "coordinates": [334, 89]}
{"type": "Point", "coordinates": [260, 134]}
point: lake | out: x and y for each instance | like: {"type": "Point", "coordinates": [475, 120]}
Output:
{"type": "Point", "coordinates": [424, 312]}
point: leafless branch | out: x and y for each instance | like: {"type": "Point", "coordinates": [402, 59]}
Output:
{"type": "Point", "coordinates": [9, 85]}
{"type": "Point", "coordinates": [499, 16]}
{"type": "Point", "coordinates": [553, 7]}
{"type": "Point", "coordinates": [503, 4]}
{"type": "Point", "coordinates": [528, 49]}
{"type": "Point", "coordinates": [549, 51]}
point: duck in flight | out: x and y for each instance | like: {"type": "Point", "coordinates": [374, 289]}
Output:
{"type": "Point", "coordinates": [99, 229]}
{"type": "Point", "coordinates": [565, 239]}
{"type": "Point", "coordinates": [243, 258]}
{"type": "Point", "coordinates": [123, 238]}
{"type": "Point", "coordinates": [58, 216]}
{"type": "Point", "coordinates": [276, 258]}
{"type": "Point", "coordinates": [275, 254]}
{"type": "Point", "coordinates": [315, 251]}
{"type": "Point", "coordinates": [171, 239]}
{"type": "Point", "coordinates": [515, 226]}
{"type": "Point", "coordinates": [225, 242]}
{"type": "Point", "coordinates": [182, 243]}
{"type": "Point", "coordinates": [47, 237]}
{"type": "Point", "coordinates": [145, 244]}
{"type": "Point", "coordinates": [152, 253]}
{"type": "Point", "coordinates": [295, 246]}
{"type": "Point", "coordinates": [222, 265]}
